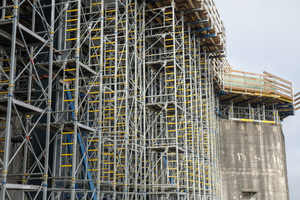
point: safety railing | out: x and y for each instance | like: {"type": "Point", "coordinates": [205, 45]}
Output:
{"type": "Point", "coordinates": [258, 84]}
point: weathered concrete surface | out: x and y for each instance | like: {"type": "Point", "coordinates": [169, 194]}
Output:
{"type": "Point", "coordinates": [253, 160]}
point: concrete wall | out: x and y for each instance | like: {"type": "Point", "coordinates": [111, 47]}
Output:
{"type": "Point", "coordinates": [253, 160]}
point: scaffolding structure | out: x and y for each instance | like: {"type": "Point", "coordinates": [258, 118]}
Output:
{"type": "Point", "coordinates": [111, 99]}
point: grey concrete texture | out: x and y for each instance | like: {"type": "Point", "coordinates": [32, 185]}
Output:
{"type": "Point", "coordinates": [253, 161]}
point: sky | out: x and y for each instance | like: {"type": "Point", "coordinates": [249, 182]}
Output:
{"type": "Point", "coordinates": [263, 35]}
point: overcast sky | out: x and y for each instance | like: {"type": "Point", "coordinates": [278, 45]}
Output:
{"type": "Point", "coordinates": [263, 35]}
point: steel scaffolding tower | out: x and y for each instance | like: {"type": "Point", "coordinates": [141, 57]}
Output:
{"type": "Point", "coordinates": [111, 99]}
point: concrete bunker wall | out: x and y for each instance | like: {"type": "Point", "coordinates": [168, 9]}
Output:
{"type": "Point", "coordinates": [253, 161]}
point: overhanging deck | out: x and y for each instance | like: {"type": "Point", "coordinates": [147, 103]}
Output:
{"type": "Point", "coordinates": [242, 88]}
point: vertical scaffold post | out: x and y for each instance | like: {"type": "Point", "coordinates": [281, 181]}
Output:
{"type": "Point", "coordinates": [8, 131]}
{"type": "Point", "coordinates": [45, 178]}
{"type": "Point", "coordinates": [100, 115]}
